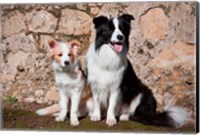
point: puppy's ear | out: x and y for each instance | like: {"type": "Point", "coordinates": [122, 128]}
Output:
{"type": "Point", "coordinates": [74, 45]}
{"type": "Point", "coordinates": [52, 44]}
{"type": "Point", "coordinates": [127, 17]}
{"type": "Point", "coordinates": [98, 21]}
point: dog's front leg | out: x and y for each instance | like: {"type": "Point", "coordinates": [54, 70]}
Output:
{"type": "Point", "coordinates": [96, 114]}
{"type": "Point", "coordinates": [63, 102]}
{"type": "Point", "coordinates": [74, 108]}
{"type": "Point", "coordinates": [111, 120]}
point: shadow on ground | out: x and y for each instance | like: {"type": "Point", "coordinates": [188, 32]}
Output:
{"type": "Point", "coordinates": [21, 116]}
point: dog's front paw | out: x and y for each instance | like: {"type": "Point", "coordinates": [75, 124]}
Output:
{"type": "Point", "coordinates": [111, 122]}
{"type": "Point", "coordinates": [124, 117]}
{"type": "Point", "coordinates": [74, 122]}
{"type": "Point", "coordinates": [60, 118]}
{"type": "Point", "coordinates": [95, 117]}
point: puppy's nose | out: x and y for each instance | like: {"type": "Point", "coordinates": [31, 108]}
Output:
{"type": "Point", "coordinates": [120, 37]}
{"type": "Point", "coordinates": [66, 63]}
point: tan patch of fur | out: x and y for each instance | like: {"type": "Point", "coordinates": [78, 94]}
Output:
{"type": "Point", "coordinates": [72, 56]}
{"type": "Point", "coordinates": [54, 54]}
{"type": "Point", "coordinates": [57, 58]}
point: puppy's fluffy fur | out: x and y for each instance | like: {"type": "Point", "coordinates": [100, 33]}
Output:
{"type": "Point", "coordinates": [114, 83]}
{"type": "Point", "coordinates": [70, 82]}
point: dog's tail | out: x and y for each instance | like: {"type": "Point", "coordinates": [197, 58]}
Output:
{"type": "Point", "coordinates": [48, 110]}
{"type": "Point", "coordinates": [171, 117]}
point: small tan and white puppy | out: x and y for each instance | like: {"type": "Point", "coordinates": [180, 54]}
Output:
{"type": "Point", "coordinates": [70, 83]}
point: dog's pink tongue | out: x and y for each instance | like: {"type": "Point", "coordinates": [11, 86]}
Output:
{"type": "Point", "coordinates": [118, 48]}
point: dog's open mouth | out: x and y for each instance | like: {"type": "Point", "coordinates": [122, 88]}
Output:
{"type": "Point", "coordinates": [118, 47]}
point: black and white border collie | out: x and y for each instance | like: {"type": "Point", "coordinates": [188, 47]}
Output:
{"type": "Point", "coordinates": [114, 83]}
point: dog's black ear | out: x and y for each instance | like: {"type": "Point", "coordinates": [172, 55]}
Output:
{"type": "Point", "coordinates": [98, 21]}
{"type": "Point", "coordinates": [127, 17]}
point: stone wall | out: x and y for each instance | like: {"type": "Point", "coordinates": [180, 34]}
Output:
{"type": "Point", "coordinates": [162, 46]}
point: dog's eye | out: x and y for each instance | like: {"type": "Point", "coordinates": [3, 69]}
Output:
{"type": "Point", "coordinates": [69, 54]}
{"type": "Point", "coordinates": [60, 54]}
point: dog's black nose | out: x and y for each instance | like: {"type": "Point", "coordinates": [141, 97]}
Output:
{"type": "Point", "coordinates": [120, 37]}
{"type": "Point", "coordinates": [66, 63]}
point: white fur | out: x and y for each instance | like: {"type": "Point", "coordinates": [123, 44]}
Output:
{"type": "Point", "coordinates": [70, 86]}
{"type": "Point", "coordinates": [65, 49]}
{"type": "Point", "coordinates": [134, 104]}
{"type": "Point", "coordinates": [124, 117]}
{"type": "Point", "coordinates": [178, 114]}
{"type": "Point", "coordinates": [105, 70]}
{"type": "Point", "coordinates": [42, 112]}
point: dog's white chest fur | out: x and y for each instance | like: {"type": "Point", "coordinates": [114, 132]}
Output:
{"type": "Point", "coordinates": [105, 69]}
{"type": "Point", "coordinates": [68, 81]}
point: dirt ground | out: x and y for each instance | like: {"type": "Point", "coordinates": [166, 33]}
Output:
{"type": "Point", "coordinates": [21, 116]}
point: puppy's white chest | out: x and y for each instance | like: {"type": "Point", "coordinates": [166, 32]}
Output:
{"type": "Point", "coordinates": [69, 81]}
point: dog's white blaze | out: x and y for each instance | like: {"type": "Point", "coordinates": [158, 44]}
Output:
{"type": "Point", "coordinates": [65, 51]}
{"type": "Point", "coordinates": [117, 31]}
{"type": "Point", "coordinates": [134, 104]}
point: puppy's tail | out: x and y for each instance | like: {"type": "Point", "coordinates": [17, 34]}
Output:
{"type": "Point", "coordinates": [48, 110]}
{"type": "Point", "coordinates": [171, 117]}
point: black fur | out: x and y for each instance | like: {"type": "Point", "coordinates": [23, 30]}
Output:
{"type": "Point", "coordinates": [104, 30]}
{"type": "Point", "coordinates": [145, 113]}
{"type": "Point", "coordinates": [98, 21]}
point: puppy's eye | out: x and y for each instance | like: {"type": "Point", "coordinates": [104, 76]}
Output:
{"type": "Point", "coordinates": [60, 54]}
{"type": "Point", "coordinates": [69, 54]}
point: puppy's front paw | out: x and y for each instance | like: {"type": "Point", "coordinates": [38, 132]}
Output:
{"type": "Point", "coordinates": [95, 117]}
{"type": "Point", "coordinates": [111, 122]}
{"type": "Point", "coordinates": [60, 118]}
